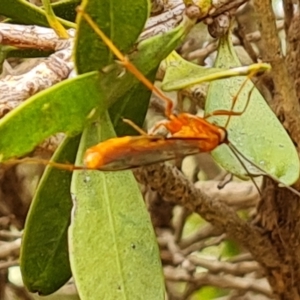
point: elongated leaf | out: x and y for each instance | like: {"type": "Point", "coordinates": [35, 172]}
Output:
{"type": "Point", "coordinates": [24, 12]}
{"type": "Point", "coordinates": [181, 73]}
{"type": "Point", "coordinates": [114, 254]}
{"type": "Point", "coordinates": [121, 20]}
{"type": "Point", "coordinates": [257, 133]}
{"type": "Point", "coordinates": [44, 255]}
{"type": "Point", "coordinates": [132, 106]}
{"type": "Point", "coordinates": [158, 47]}
{"type": "Point", "coordinates": [65, 107]}
{"type": "Point", "coordinates": [66, 9]}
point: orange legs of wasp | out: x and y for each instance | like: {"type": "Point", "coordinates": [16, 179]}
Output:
{"type": "Point", "coordinates": [234, 100]}
{"type": "Point", "coordinates": [135, 127]}
{"type": "Point", "coordinates": [126, 63]}
{"type": "Point", "coordinates": [169, 104]}
{"type": "Point", "coordinates": [231, 112]}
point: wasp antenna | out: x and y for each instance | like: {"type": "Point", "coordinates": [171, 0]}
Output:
{"type": "Point", "coordinates": [234, 150]}
{"type": "Point", "coordinates": [126, 62]}
{"type": "Point", "coordinates": [237, 153]}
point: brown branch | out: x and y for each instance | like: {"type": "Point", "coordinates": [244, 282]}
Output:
{"type": "Point", "coordinates": [174, 187]}
{"type": "Point", "coordinates": [272, 54]}
{"type": "Point", "coordinates": [231, 282]}
{"type": "Point", "coordinates": [288, 7]}
{"type": "Point", "coordinates": [256, 36]}
{"type": "Point", "coordinates": [32, 37]}
{"type": "Point", "coordinates": [179, 223]}
{"type": "Point", "coordinates": [9, 249]}
{"type": "Point", "coordinates": [223, 6]}
{"type": "Point", "coordinates": [216, 266]}
{"type": "Point", "coordinates": [241, 257]}
{"type": "Point", "coordinates": [6, 234]}
{"type": "Point", "coordinates": [204, 232]}
{"type": "Point", "coordinates": [15, 88]}
{"type": "Point", "coordinates": [8, 264]}
{"type": "Point", "coordinates": [238, 195]}
{"type": "Point", "coordinates": [221, 281]}
{"type": "Point", "coordinates": [199, 246]}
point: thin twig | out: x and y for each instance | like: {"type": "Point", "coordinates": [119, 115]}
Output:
{"type": "Point", "coordinates": [221, 281]}
{"type": "Point", "coordinates": [203, 233]}
{"type": "Point", "coordinates": [7, 264]}
{"type": "Point", "coordinates": [216, 266]}
{"type": "Point", "coordinates": [11, 248]}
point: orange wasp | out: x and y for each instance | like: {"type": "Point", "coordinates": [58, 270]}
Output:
{"type": "Point", "coordinates": [189, 134]}
{"type": "Point", "coordinates": [131, 152]}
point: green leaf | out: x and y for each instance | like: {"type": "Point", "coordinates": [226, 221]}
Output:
{"type": "Point", "coordinates": [113, 250]}
{"type": "Point", "coordinates": [44, 259]}
{"type": "Point", "coordinates": [23, 12]}
{"type": "Point", "coordinates": [155, 49]}
{"type": "Point", "coordinates": [66, 107]}
{"type": "Point", "coordinates": [257, 133]}
{"type": "Point", "coordinates": [121, 20]}
{"type": "Point", "coordinates": [133, 106]}
{"type": "Point", "coordinates": [182, 74]}
{"type": "Point", "coordinates": [230, 249]}
{"type": "Point", "coordinates": [53, 20]}
{"type": "Point", "coordinates": [209, 292]}
{"type": "Point", "coordinates": [66, 9]}
{"type": "Point", "coordinates": [27, 53]}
